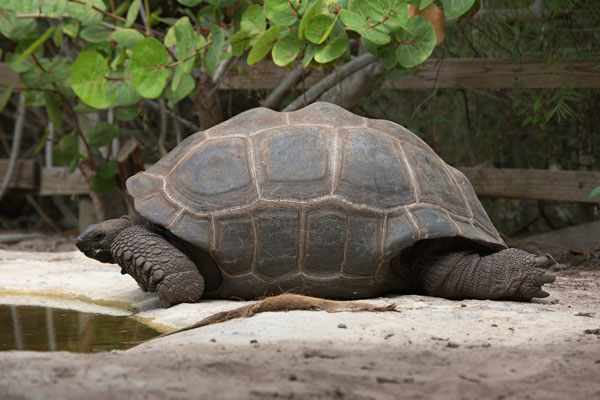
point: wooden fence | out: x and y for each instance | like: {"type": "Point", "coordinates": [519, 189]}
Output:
{"type": "Point", "coordinates": [487, 74]}
{"type": "Point", "coordinates": [573, 186]}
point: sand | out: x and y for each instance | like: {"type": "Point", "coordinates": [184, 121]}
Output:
{"type": "Point", "coordinates": [431, 348]}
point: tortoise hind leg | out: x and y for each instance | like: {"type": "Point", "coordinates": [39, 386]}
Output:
{"type": "Point", "coordinates": [157, 265]}
{"type": "Point", "coordinates": [509, 274]}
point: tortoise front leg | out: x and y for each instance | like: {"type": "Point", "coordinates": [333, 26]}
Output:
{"type": "Point", "coordinates": [157, 265]}
{"type": "Point", "coordinates": [508, 274]}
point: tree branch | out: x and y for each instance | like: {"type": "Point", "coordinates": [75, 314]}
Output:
{"type": "Point", "coordinates": [278, 94]}
{"type": "Point", "coordinates": [16, 144]}
{"type": "Point", "coordinates": [335, 78]}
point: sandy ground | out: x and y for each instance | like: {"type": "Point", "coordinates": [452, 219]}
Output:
{"type": "Point", "coordinates": [431, 348]}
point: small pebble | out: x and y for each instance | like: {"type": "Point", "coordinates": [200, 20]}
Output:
{"type": "Point", "coordinates": [254, 341]}
{"type": "Point", "coordinates": [342, 326]}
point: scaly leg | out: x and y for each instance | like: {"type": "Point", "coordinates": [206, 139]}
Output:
{"type": "Point", "coordinates": [157, 265]}
{"type": "Point", "coordinates": [509, 274]}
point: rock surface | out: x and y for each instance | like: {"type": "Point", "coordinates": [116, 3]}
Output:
{"type": "Point", "coordinates": [433, 348]}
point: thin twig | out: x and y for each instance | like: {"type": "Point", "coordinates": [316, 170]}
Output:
{"type": "Point", "coordinates": [183, 121]}
{"type": "Point", "coordinates": [162, 136]}
{"type": "Point", "coordinates": [435, 88]}
{"type": "Point", "coordinates": [16, 144]}
{"type": "Point", "coordinates": [176, 124]}
{"type": "Point", "coordinates": [222, 69]}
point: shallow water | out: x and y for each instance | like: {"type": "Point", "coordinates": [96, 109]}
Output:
{"type": "Point", "coordinates": [52, 329]}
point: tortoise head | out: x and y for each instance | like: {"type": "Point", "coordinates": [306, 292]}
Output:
{"type": "Point", "coordinates": [96, 240]}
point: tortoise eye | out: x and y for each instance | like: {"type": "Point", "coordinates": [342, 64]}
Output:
{"type": "Point", "coordinates": [98, 237]}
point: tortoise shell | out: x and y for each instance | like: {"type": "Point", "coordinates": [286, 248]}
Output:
{"type": "Point", "coordinates": [317, 201]}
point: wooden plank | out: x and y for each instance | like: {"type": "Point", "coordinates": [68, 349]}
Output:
{"type": "Point", "coordinates": [480, 73]}
{"type": "Point", "coordinates": [533, 183]}
{"type": "Point", "coordinates": [574, 186]}
{"type": "Point", "coordinates": [58, 181]}
{"type": "Point", "coordinates": [8, 76]}
{"type": "Point", "coordinates": [476, 73]}
{"type": "Point", "coordinates": [25, 175]}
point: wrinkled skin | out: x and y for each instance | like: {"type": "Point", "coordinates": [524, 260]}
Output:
{"type": "Point", "coordinates": [96, 240]}
{"type": "Point", "coordinates": [450, 268]}
{"type": "Point", "coordinates": [143, 252]}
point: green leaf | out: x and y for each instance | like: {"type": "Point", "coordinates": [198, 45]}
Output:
{"type": "Point", "coordinates": [311, 12]}
{"type": "Point", "coordinates": [283, 18]}
{"type": "Point", "coordinates": [331, 49]}
{"type": "Point", "coordinates": [82, 108]}
{"type": "Point", "coordinates": [127, 37]}
{"type": "Point", "coordinates": [416, 43]}
{"type": "Point", "coordinates": [85, 13]}
{"type": "Point", "coordinates": [108, 169]}
{"type": "Point", "coordinates": [101, 134]}
{"type": "Point", "coordinates": [318, 28]}
{"type": "Point", "coordinates": [148, 68]}
{"type": "Point", "coordinates": [387, 55]}
{"type": "Point", "coordinates": [286, 50]}
{"type": "Point", "coordinates": [240, 42]}
{"type": "Point", "coordinates": [70, 27]}
{"type": "Point", "coordinates": [42, 142]}
{"type": "Point", "coordinates": [277, 6]}
{"type": "Point", "coordinates": [88, 79]}
{"type": "Point", "coordinates": [169, 40]}
{"type": "Point", "coordinates": [20, 5]}
{"type": "Point", "coordinates": [102, 185]}
{"type": "Point", "coordinates": [34, 98]}
{"type": "Point", "coordinates": [253, 20]}
{"type": "Point", "coordinates": [8, 21]}
{"type": "Point", "coordinates": [35, 45]}
{"type": "Point", "coordinates": [125, 92]}
{"type": "Point", "coordinates": [190, 3]}
{"type": "Point", "coordinates": [57, 37]}
{"type": "Point", "coordinates": [456, 8]}
{"type": "Point", "coordinates": [211, 60]}
{"type": "Point", "coordinates": [54, 8]}
{"type": "Point", "coordinates": [132, 13]}
{"type": "Point", "coordinates": [127, 113]}
{"type": "Point", "coordinates": [537, 105]}
{"type": "Point", "coordinates": [424, 3]}
{"type": "Point", "coordinates": [66, 150]}
{"type": "Point", "coordinates": [309, 54]}
{"type": "Point", "coordinates": [209, 15]}
{"type": "Point", "coordinates": [95, 33]}
{"type": "Point", "coordinates": [55, 76]}
{"type": "Point", "coordinates": [185, 87]}
{"type": "Point", "coordinates": [5, 96]}
{"type": "Point", "coordinates": [594, 193]}
{"type": "Point", "coordinates": [177, 77]}
{"type": "Point", "coordinates": [358, 23]}
{"type": "Point", "coordinates": [263, 45]}
{"type": "Point", "coordinates": [186, 40]}
{"type": "Point", "coordinates": [400, 72]}
{"type": "Point", "coordinates": [53, 110]}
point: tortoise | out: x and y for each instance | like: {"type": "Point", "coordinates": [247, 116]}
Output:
{"type": "Point", "coordinates": [319, 202]}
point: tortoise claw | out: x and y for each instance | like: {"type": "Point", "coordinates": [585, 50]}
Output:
{"type": "Point", "coordinates": [541, 294]}
{"type": "Point", "coordinates": [545, 278]}
{"type": "Point", "coordinates": [541, 260]}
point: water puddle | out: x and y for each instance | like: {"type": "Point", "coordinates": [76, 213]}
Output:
{"type": "Point", "coordinates": [53, 329]}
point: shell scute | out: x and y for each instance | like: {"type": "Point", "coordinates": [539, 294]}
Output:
{"type": "Point", "coordinates": [372, 171]}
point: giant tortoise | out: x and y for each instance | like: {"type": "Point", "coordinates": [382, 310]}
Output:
{"type": "Point", "coordinates": [319, 202]}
